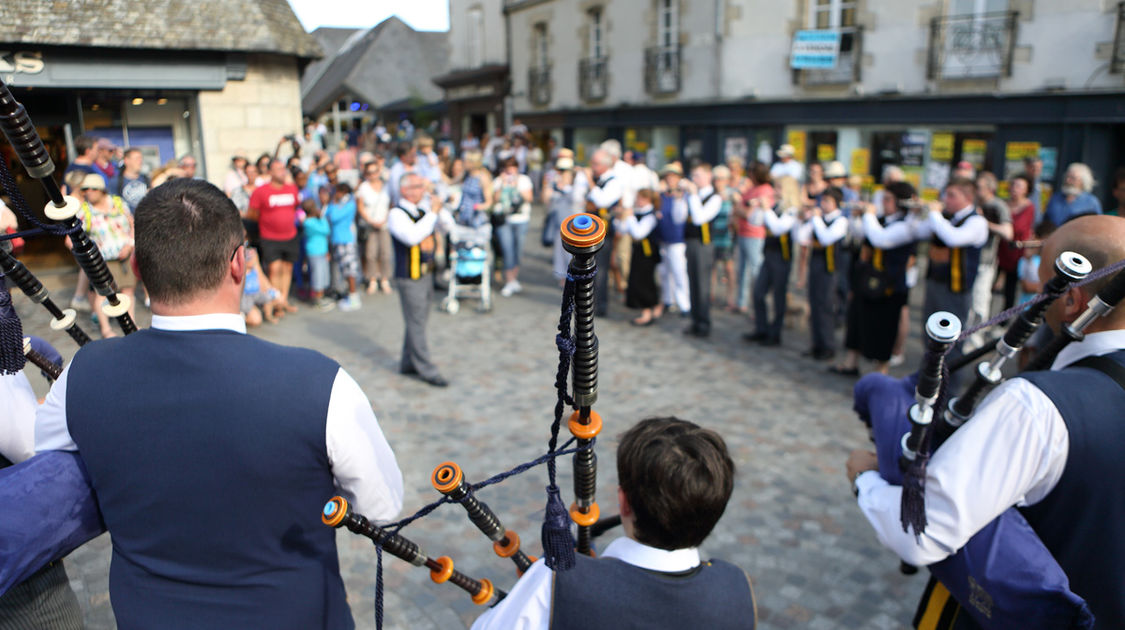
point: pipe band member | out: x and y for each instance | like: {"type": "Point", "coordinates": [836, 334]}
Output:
{"type": "Point", "coordinates": [603, 199]}
{"type": "Point", "coordinates": [777, 261]}
{"type": "Point", "coordinates": [1047, 442]}
{"type": "Point", "coordinates": [673, 217]}
{"type": "Point", "coordinates": [641, 291]}
{"type": "Point", "coordinates": [211, 451]}
{"type": "Point", "coordinates": [654, 576]}
{"type": "Point", "coordinates": [821, 234]}
{"type": "Point", "coordinates": [704, 203]}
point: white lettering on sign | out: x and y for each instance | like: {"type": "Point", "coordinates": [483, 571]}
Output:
{"type": "Point", "coordinates": [21, 62]}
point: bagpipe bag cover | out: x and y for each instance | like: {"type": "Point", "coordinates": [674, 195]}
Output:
{"type": "Point", "coordinates": [1004, 576]}
{"type": "Point", "coordinates": [47, 510]}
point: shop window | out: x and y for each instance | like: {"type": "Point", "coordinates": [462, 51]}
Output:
{"type": "Point", "coordinates": [596, 47]}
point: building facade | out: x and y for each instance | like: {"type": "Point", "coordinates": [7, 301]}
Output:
{"type": "Point", "coordinates": [476, 87]}
{"type": "Point", "coordinates": [204, 79]}
{"type": "Point", "coordinates": [922, 84]}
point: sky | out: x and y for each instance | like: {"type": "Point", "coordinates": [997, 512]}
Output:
{"type": "Point", "coordinates": [422, 15]}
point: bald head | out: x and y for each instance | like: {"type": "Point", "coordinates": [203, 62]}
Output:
{"type": "Point", "coordinates": [1101, 239]}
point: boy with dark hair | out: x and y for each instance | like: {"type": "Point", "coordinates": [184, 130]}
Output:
{"type": "Point", "coordinates": [675, 480]}
{"type": "Point", "coordinates": [822, 233]}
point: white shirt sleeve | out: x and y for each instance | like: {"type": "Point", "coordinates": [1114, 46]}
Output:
{"type": "Point", "coordinates": [636, 228]}
{"type": "Point", "coordinates": [778, 225]}
{"type": "Point", "coordinates": [362, 462]}
{"type": "Point", "coordinates": [829, 234]}
{"type": "Point", "coordinates": [608, 195]}
{"type": "Point", "coordinates": [527, 606]}
{"type": "Point", "coordinates": [972, 233]}
{"type": "Point", "coordinates": [704, 212]}
{"type": "Point", "coordinates": [17, 421]}
{"type": "Point", "coordinates": [894, 235]}
{"type": "Point", "coordinates": [1012, 452]}
{"type": "Point", "coordinates": [51, 430]}
{"type": "Point", "coordinates": [410, 232]}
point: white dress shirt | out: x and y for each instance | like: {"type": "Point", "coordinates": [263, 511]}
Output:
{"type": "Point", "coordinates": [528, 605]}
{"type": "Point", "coordinates": [1011, 452]}
{"type": "Point", "coordinates": [893, 234]}
{"type": "Point", "coordinates": [828, 230]}
{"type": "Point", "coordinates": [637, 229]}
{"type": "Point", "coordinates": [792, 168]}
{"type": "Point", "coordinates": [623, 172]}
{"type": "Point", "coordinates": [362, 462]}
{"type": "Point", "coordinates": [972, 233]}
{"type": "Point", "coordinates": [779, 225]}
{"type": "Point", "coordinates": [406, 230]}
{"type": "Point", "coordinates": [608, 192]}
{"type": "Point", "coordinates": [704, 212]}
{"type": "Point", "coordinates": [17, 421]}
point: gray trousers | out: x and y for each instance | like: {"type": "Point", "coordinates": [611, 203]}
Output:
{"type": "Point", "coordinates": [416, 298]}
{"type": "Point", "coordinates": [604, 258]}
{"type": "Point", "coordinates": [773, 278]}
{"type": "Point", "coordinates": [44, 600]}
{"type": "Point", "coordinates": [700, 259]}
{"type": "Point", "coordinates": [939, 297]}
{"type": "Point", "coordinates": [822, 305]}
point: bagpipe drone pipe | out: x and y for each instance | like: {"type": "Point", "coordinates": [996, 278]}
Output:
{"type": "Point", "coordinates": [582, 235]}
{"type": "Point", "coordinates": [1004, 577]}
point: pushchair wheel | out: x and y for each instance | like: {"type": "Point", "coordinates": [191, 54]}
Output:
{"type": "Point", "coordinates": [450, 305]}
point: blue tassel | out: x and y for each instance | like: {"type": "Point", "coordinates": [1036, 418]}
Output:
{"type": "Point", "coordinates": [558, 543]}
{"type": "Point", "coordinates": [11, 334]}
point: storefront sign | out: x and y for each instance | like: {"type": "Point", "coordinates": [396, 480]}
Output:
{"type": "Point", "coordinates": [913, 150]}
{"type": "Point", "coordinates": [1050, 157]}
{"type": "Point", "coordinates": [22, 62]}
{"type": "Point", "coordinates": [825, 153]}
{"type": "Point", "coordinates": [861, 162]}
{"type": "Point", "coordinates": [973, 152]}
{"type": "Point", "coordinates": [1014, 154]}
{"type": "Point", "coordinates": [815, 49]}
{"type": "Point", "coordinates": [941, 147]}
{"type": "Point", "coordinates": [736, 147]}
{"type": "Point", "coordinates": [464, 92]}
{"type": "Point", "coordinates": [797, 139]}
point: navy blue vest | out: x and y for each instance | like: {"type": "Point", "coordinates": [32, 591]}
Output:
{"type": "Point", "coordinates": [893, 262]}
{"type": "Point", "coordinates": [1080, 520]}
{"type": "Point", "coordinates": [608, 594]}
{"type": "Point", "coordinates": [961, 270]}
{"type": "Point", "coordinates": [671, 232]}
{"type": "Point", "coordinates": [410, 260]}
{"type": "Point", "coordinates": [207, 453]}
{"type": "Point", "coordinates": [699, 232]}
{"type": "Point", "coordinates": [647, 246]}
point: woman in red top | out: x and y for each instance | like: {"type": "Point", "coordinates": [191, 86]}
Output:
{"type": "Point", "coordinates": [751, 230]}
{"type": "Point", "coordinates": [274, 207]}
{"type": "Point", "coordinates": [1023, 218]}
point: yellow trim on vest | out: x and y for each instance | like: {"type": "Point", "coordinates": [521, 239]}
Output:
{"type": "Point", "coordinates": [705, 233]}
{"type": "Point", "coordinates": [646, 247]}
{"type": "Point", "coordinates": [603, 213]}
{"type": "Point", "coordinates": [955, 279]}
{"type": "Point", "coordinates": [784, 239]}
{"type": "Point", "coordinates": [934, 607]}
{"type": "Point", "coordinates": [830, 258]}
{"type": "Point", "coordinates": [415, 262]}
{"type": "Point", "coordinates": [877, 259]}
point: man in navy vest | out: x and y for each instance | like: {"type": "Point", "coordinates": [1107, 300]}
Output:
{"type": "Point", "coordinates": [604, 198]}
{"type": "Point", "coordinates": [1048, 442]}
{"type": "Point", "coordinates": [672, 220]}
{"type": "Point", "coordinates": [704, 203]}
{"type": "Point", "coordinates": [653, 577]}
{"type": "Point", "coordinates": [411, 225]}
{"type": "Point", "coordinates": [212, 452]}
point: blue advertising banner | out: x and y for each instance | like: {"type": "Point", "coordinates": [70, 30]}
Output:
{"type": "Point", "coordinates": [815, 49]}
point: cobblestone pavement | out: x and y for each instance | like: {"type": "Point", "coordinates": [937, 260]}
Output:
{"type": "Point", "coordinates": [792, 522]}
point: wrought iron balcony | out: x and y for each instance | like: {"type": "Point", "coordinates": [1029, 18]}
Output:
{"type": "Point", "coordinates": [592, 75]}
{"type": "Point", "coordinates": [848, 68]}
{"type": "Point", "coordinates": [662, 70]}
{"type": "Point", "coordinates": [1117, 65]}
{"type": "Point", "coordinates": [539, 85]}
{"type": "Point", "coordinates": [972, 46]}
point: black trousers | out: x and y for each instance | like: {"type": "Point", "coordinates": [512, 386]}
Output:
{"type": "Point", "coordinates": [772, 278]}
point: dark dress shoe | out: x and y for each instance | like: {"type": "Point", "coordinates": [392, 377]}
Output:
{"type": "Point", "coordinates": [843, 371]}
{"type": "Point", "coordinates": [408, 371]}
{"type": "Point", "coordinates": [436, 381]}
{"type": "Point", "coordinates": [758, 337]}
{"type": "Point", "coordinates": [771, 342]}
{"type": "Point", "coordinates": [824, 355]}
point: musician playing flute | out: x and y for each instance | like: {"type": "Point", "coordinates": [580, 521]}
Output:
{"type": "Point", "coordinates": [676, 479]}
{"type": "Point", "coordinates": [211, 485]}
{"type": "Point", "coordinates": [1047, 442]}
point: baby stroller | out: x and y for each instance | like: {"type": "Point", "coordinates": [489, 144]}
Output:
{"type": "Point", "coordinates": [470, 262]}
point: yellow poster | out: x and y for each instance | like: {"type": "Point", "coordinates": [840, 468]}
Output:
{"type": "Point", "coordinates": [825, 153]}
{"type": "Point", "coordinates": [941, 147]}
{"type": "Point", "coordinates": [670, 151]}
{"type": "Point", "coordinates": [1002, 189]}
{"type": "Point", "coordinates": [797, 139]}
{"type": "Point", "coordinates": [1019, 150]}
{"type": "Point", "coordinates": [974, 151]}
{"type": "Point", "coordinates": [913, 175]}
{"type": "Point", "coordinates": [930, 194]}
{"type": "Point", "coordinates": [861, 161]}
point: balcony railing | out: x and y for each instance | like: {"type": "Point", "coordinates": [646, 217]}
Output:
{"type": "Point", "coordinates": [592, 78]}
{"type": "Point", "coordinates": [539, 85]}
{"type": "Point", "coordinates": [972, 46]}
{"type": "Point", "coordinates": [1117, 65]}
{"type": "Point", "coordinates": [662, 70]}
{"type": "Point", "coordinates": [848, 68]}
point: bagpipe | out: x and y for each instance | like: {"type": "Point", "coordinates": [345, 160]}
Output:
{"type": "Point", "coordinates": [1004, 577]}
{"type": "Point", "coordinates": [583, 235]}
{"type": "Point", "coordinates": [49, 504]}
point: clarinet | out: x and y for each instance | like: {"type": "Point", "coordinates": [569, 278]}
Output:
{"type": "Point", "coordinates": [1070, 267]}
{"type": "Point", "coordinates": [583, 235]}
{"type": "Point", "coordinates": [1098, 306]}
{"type": "Point", "coordinates": [38, 360]}
{"type": "Point", "coordinates": [449, 480]}
{"type": "Point", "coordinates": [20, 131]}
{"type": "Point", "coordinates": [34, 289]}
{"type": "Point", "coordinates": [337, 513]}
